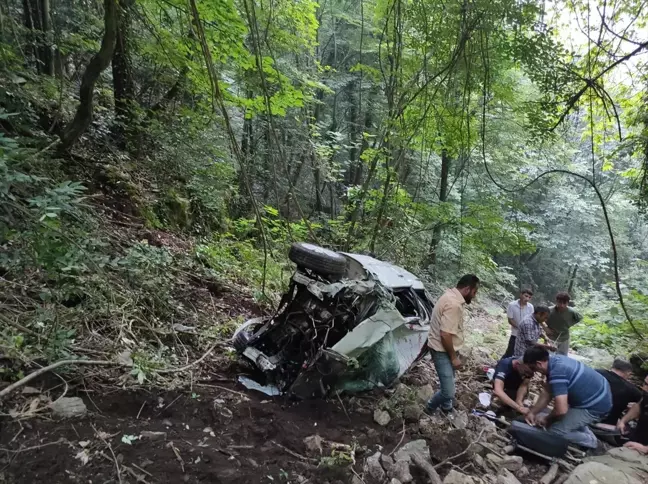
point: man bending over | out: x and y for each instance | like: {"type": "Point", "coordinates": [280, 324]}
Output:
{"type": "Point", "coordinates": [623, 392]}
{"type": "Point", "coordinates": [582, 396]}
{"type": "Point", "coordinates": [511, 383]}
{"type": "Point", "coordinates": [530, 331]}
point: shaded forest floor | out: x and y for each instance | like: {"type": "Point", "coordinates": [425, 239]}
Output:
{"type": "Point", "coordinates": [211, 429]}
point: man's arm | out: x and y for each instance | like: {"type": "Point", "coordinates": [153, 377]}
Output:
{"type": "Point", "coordinates": [540, 405]}
{"type": "Point", "coordinates": [522, 393]}
{"type": "Point", "coordinates": [560, 409]}
{"type": "Point", "coordinates": [509, 316]}
{"type": "Point", "coordinates": [577, 318]}
{"type": "Point", "coordinates": [632, 414]}
{"type": "Point", "coordinates": [498, 389]}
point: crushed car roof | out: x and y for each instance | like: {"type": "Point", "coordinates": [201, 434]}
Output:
{"type": "Point", "coordinates": [387, 274]}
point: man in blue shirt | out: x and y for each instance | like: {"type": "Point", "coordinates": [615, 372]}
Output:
{"type": "Point", "coordinates": [582, 396]}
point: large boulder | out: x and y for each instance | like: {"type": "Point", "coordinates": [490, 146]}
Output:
{"type": "Point", "coordinates": [619, 466]}
{"type": "Point", "coordinates": [413, 447]}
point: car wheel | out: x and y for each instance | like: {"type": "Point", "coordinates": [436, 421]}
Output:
{"type": "Point", "coordinates": [318, 259]}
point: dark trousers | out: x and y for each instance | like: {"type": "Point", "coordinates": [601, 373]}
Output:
{"type": "Point", "coordinates": [510, 348]}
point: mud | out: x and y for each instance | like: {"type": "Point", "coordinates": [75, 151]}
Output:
{"type": "Point", "coordinates": [220, 437]}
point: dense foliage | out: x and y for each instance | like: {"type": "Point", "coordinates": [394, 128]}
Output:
{"type": "Point", "coordinates": [448, 137]}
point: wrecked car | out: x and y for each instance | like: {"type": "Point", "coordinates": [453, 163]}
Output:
{"type": "Point", "coordinates": [348, 322]}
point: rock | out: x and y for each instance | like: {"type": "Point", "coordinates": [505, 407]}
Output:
{"type": "Point", "coordinates": [505, 477]}
{"type": "Point", "coordinates": [381, 417]}
{"type": "Point", "coordinates": [595, 472]}
{"type": "Point", "coordinates": [373, 469]}
{"type": "Point", "coordinates": [512, 462]}
{"type": "Point", "coordinates": [313, 444]}
{"type": "Point", "coordinates": [167, 422]}
{"type": "Point", "coordinates": [395, 481]}
{"type": "Point", "coordinates": [412, 447]}
{"type": "Point", "coordinates": [598, 357]}
{"type": "Point", "coordinates": [401, 472]}
{"type": "Point", "coordinates": [460, 419]}
{"type": "Point", "coordinates": [69, 407]}
{"type": "Point", "coordinates": [30, 391]}
{"type": "Point", "coordinates": [357, 480]}
{"type": "Point", "coordinates": [619, 466]}
{"type": "Point", "coordinates": [494, 459]}
{"type": "Point", "coordinates": [150, 435]}
{"type": "Point", "coordinates": [479, 461]}
{"type": "Point", "coordinates": [424, 393]}
{"type": "Point", "coordinates": [522, 473]}
{"type": "Point", "coordinates": [455, 477]}
{"type": "Point", "coordinates": [387, 463]}
{"type": "Point", "coordinates": [412, 412]}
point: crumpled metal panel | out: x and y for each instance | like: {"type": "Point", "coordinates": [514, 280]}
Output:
{"type": "Point", "coordinates": [320, 289]}
{"type": "Point", "coordinates": [387, 274]}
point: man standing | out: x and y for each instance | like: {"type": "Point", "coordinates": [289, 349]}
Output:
{"type": "Point", "coordinates": [581, 396]}
{"type": "Point", "coordinates": [446, 338]}
{"type": "Point", "coordinates": [561, 318]}
{"type": "Point", "coordinates": [511, 383]}
{"type": "Point", "coordinates": [530, 331]}
{"type": "Point", "coordinates": [623, 392]}
{"type": "Point", "coordinates": [517, 312]}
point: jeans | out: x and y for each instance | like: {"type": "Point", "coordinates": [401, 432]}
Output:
{"type": "Point", "coordinates": [511, 347]}
{"type": "Point", "coordinates": [574, 427]}
{"type": "Point", "coordinates": [562, 347]}
{"type": "Point", "coordinates": [446, 373]}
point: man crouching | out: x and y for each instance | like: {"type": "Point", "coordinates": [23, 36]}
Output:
{"type": "Point", "coordinates": [581, 396]}
{"type": "Point", "coordinates": [511, 383]}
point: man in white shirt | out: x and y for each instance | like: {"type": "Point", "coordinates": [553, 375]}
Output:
{"type": "Point", "coordinates": [517, 312]}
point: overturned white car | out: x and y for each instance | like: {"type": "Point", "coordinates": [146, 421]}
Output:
{"type": "Point", "coordinates": [348, 322]}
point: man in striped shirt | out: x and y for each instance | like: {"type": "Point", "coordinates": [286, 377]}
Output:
{"type": "Point", "coordinates": [582, 396]}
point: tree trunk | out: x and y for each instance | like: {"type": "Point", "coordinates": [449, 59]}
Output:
{"type": "Point", "coordinates": [443, 196]}
{"type": "Point", "coordinates": [96, 66]}
{"type": "Point", "coordinates": [38, 21]}
{"type": "Point", "coordinates": [122, 70]}
{"type": "Point", "coordinates": [572, 279]}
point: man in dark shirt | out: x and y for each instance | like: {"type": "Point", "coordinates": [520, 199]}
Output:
{"type": "Point", "coordinates": [511, 383]}
{"type": "Point", "coordinates": [639, 411]}
{"type": "Point", "coordinates": [623, 392]}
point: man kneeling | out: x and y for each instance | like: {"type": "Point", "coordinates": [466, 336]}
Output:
{"type": "Point", "coordinates": [511, 383]}
{"type": "Point", "coordinates": [582, 396]}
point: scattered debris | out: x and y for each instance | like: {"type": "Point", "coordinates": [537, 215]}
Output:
{"type": "Point", "coordinates": [381, 417]}
{"type": "Point", "coordinates": [455, 477]}
{"type": "Point", "coordinates": [373, 469]}
{"type": "Point", "coordinates": [69, 407]}
{"type": "Point", "coordinates": [314, 444]}
{"type": "Point", "coordinates": [413, 447]}
{"type": "Point", "coordinates": [151, 435]}
{"type": "Point", "coordinates": [250, 384]}
{"type": "Point", "coordinates": [505, 477]}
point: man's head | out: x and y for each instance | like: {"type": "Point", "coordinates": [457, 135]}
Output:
{"type": "Point", "coordinates": [562, 301]}
{"type": "Point", "coordinates": [622, 368]}
{"type": "Point", "coordinates": [468, 286]}
{"type": "Point", "coordinates": [525, 295]}
{"type": "Point", "coordinates": [541, 313]}
{"type": "Point", "coordinates": [537, 358]}
{"type": "Point", "coordinates": [522, 368]}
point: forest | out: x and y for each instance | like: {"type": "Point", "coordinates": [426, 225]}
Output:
{"type": "Point", "coordinates": [159, 155]}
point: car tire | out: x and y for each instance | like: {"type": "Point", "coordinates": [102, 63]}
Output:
{"type": "Point", "coordinates": [318, 259]}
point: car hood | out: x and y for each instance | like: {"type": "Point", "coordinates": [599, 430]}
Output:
{"type": "Point", "coordinates": [389, 275]}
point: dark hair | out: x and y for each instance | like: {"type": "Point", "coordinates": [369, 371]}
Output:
{"type": "Point", "coordinates": [527, 290]}
{"type": "Point", "coordinates": [622, 365]}
{"type": "Point", "coordinates": [469, 280]}
{"type": "Point", "coordinates": [563, 297]}
{"type": "Point", "coordinates": [540, 310]}
{"type": "Point", "coordinates": [534, 354]}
